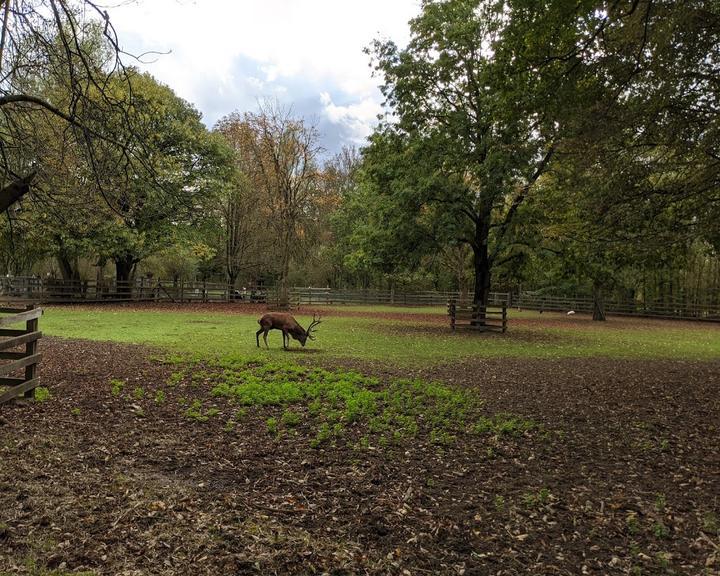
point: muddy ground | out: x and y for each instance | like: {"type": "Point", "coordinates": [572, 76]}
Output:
{"type": "Point", "coordinates": [621, 475]}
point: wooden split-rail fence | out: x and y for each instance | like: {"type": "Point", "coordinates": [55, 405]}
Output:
{"type": "Point", "coordinates": [25, 359]}
{"type": "Point", "coordinates": [476, 317]}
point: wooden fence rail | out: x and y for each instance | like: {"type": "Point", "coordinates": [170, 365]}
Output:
{"type": "Point", "coordinates": [47, 290]}
{"type": "Point", "coordinates": [479, 318]}
{"type": "Point", "coordinates": [658, 309]}
{"type": "Point", "coordinates": [26, 360]}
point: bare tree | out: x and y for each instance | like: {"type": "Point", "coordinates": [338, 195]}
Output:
{"type": "Point", "coordinates": [240, 210]}
{"type": "Point", "coordinates": [284, 153]}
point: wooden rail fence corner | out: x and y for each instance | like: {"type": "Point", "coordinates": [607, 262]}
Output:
{"type": "Point", "coordinates": [478, 318]}
{"type": "Point", "coordinates": [28, 359]}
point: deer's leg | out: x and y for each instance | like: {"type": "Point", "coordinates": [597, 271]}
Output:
{"type": "Point", "coordinates": [285, 337]}
{"type": "Point", "coordinates": [257, 336]}
{"type": "Point", "coordinates": [265, 333]}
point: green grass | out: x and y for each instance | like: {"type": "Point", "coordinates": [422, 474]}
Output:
{"type": "Point", "coordinates": [333, 402]}
{"type": "Point", "coordinates": [204, 335]}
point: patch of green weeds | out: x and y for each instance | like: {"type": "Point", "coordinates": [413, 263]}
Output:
{"type": "Point", "coordinates": [632, 523]}
{"type": "Point", "coordinates": [290, 418]}
{"type": "Point", "coordinates": [175, 378]}
{"type": "Point", "coordinates": [195, 412]}
{"type": "Point", "coordinates": [34, 569]}
{"type": "Point", "coordinates": [199, 377]}
{"type": "Point", "coordinates": [139, 393]}
{"type": "Point", "coordinates": [503, 424]}
{"type": "Point", "coordinates": [660, 502]}
{"type": "Point", "coordinates": [42, 394]}
{"type": "Point", "coordinates": [323, 435]}
{"type": "Point", "coordinates": [336, 401]}
{"type": "Point", "coordinates": [75, 411]}
{"type": "Point", "coordinates": [499, 502]}
{"type": "Point", "coordinates": [159, 397]}
{"type": "Point", "coordinates": [116, 386]}
{"type": "Point", "coordinates": [272, 426]}
{"type": "Point", "coordinates": [442, 437]}
{"type": "Point", "coordinates": [536, 499]}
{"type": "Point", "coordinates": [711, 523]}
{"type": "Point", "coordinates": [663, 560]}
{"type": "Point", "coordinates": [660, 530]}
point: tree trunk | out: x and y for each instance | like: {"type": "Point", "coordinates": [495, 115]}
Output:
{"type": "Point", "coordinates": [481, 266]}
{"type": "Point", "coordinates": [68, 268]}
{"type": "Point", "coordinates": [124, 270]}
{"type": "Point", "coordinates": [232, 277]}
{"type": "Point", "coordinates": [14, 191]}
{"type": "Point", "coordinates": [598, 304]}
{"type": "Point", "coordinates": [283, 289]}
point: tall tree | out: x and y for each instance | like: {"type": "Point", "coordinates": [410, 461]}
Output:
{"type": "Point", "coordinates": [469, 135]}
{"type": "Point", "coordinates": [244, 224]}
{"type": "Point", "coordinates": [283, 151]}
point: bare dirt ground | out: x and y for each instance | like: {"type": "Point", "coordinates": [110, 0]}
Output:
{"type": "Point", "coordinates": [622, 476]}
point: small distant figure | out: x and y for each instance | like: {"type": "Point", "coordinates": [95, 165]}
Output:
{"type": "Point", "coordinates": [571, 312]}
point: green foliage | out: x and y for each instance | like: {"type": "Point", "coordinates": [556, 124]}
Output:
{"type": "Point", "coordinates": [116, 386]}
{"type": "Point", "coordinates": [42, 394]}
{"type": "Point", "coordinates": [139, 393]}
{"type": "Point", "coordinates": [503, 424]}
{"type": "Point", "coordinates": [195, 412]}
{"type": "Point", "coordinates": [499, 502]}
{"type": "Point", "coordinates": [175, 378]}
{"type": "Point", "coordinates": [159, 397]}
{"type": "Point", "coordinates": [290, 418]}
{"type": "Point", "coordinates": [272, 426]}
{"type": "Point", "coordinates": [536, 499]}
{"type": "Point", "coordinates": [660, 531]}
{"type": "Point", "coordinates": [339, 400]}
{"type": "Point", "coordinates": [711, 523]}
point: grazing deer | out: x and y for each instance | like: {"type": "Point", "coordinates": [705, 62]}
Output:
{"type": "Point", "coordinates": [288, 325]}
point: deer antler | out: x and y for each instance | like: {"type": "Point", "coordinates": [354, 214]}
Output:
{"type": "Point", "coordinates": [310, 328]}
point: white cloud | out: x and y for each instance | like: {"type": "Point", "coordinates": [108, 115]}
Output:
{"type": "Point", "coordinates": [358, 119]}
{"type": "Point", "coordinates": [316, 43]}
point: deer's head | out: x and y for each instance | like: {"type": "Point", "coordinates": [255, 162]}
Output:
{"type": "Point", "coordinates": [309, 332]}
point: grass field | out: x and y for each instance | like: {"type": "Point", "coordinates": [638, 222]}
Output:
{"type": "Point", "coordinates": [422, 341]}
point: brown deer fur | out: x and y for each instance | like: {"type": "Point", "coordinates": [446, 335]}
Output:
{"type": "Point", "coordinates": [287, 325]}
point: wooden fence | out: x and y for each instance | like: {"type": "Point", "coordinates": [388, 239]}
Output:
{"type": "Point", "coordinates": [145, 289]}
{"type": "Point", "coordinates": [142, 289]}
{"type": "Point", "coordinates": [680, 310]}
{"type": "Point", "coordinates": [26, 360]}
{"type": "Point", "coordinates": [478, 318]}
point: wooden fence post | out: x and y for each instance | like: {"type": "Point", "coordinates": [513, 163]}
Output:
{"type": "Point", "coordinates": [30, 349]}
{"type": "Point", "coordinates": [26, 360]}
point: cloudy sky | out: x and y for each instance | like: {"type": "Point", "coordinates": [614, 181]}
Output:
{"type": "Point", "coordinates": [224, 55]}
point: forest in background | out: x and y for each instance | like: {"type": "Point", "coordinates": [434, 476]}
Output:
{"type": "Point", "coordinates": [556, 146]}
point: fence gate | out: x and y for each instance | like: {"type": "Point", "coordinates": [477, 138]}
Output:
{"type": "Point", "coordinates": [10, 340]}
